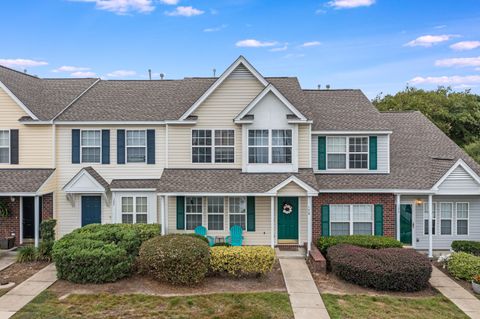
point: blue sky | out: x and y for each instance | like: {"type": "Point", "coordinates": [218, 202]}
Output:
{"type": "Point", "coordinates": [375, 45]}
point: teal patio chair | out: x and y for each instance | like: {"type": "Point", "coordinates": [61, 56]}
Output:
{"type": "Point", "coordinates": [236, 237]}
{"type": "Point", "coordinates": [202, 231]}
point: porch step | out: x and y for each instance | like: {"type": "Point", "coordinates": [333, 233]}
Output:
{"type": "Point", "coordinates": [299, 253]}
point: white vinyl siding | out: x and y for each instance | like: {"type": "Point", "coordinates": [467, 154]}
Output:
{"type": "Point", "coordinates": [458, 182]}
{"type": "Point", "coordinates": [4, 146]}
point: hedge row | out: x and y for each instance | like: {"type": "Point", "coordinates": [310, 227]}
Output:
{"type": "Point", "coordinates": [463, 265]}
{"type": "Point", "coordinates": [366, 241]}
{"type": "Point", "coordinates": [382, 269]}
{"type": "Point", "coordinates": [242, 261]}
{"type": "Point", "coordinates": [466, 246]}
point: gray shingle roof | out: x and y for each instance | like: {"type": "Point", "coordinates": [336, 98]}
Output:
{"type": "Point", "coordinates": [43, 97]}
{"type": "Point", "coordinates": [134, 183]}
{"type": "Point", "coordinates": [97, 177]}
{"type": "Point", "coordinates": [225, 180]}
{"type": "Point", "coordinates": [420, 155]}
{"type": "Point", "coordinates": [23, 180]}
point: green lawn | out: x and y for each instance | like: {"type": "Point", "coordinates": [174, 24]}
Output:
{"type": "Point", "coordinates": [372, 307]}
{"type": "Point", "coordinates": [217, 306]}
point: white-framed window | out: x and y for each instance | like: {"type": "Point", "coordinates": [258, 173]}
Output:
{"type": "Point", "coordinates": [216, 146]}
{"type": "Point", "coordinates": [193, 212]}
{"type": "Point", "coordinates": [91, 146]}
{"type": "Point", "coordinates": [258, 144]}
{"type": "Point", "coordinates": [134, 209]}
{"type": "Point", "coordinates": [4, 146]}
{"type": "Point", "coordinates": [237, 210]}
{"type": "Point", "coordinates": [462, 211]}
{"type": "Point", "coordinates": [270, 146]}
{"type": "Point", "coordinates": [345, 152]}
{"type": "Point", "coordinates": [136, 146]}
{"type": "Point", "coordinates": [215, 212]}
{"type": "Point", "coordinates": [354, 219]}
{"type": "Point", "coordinates": [446, 218]}
{"type": "Point", "coordinates": [425, 218]}
{"type": "Point", "coordinates": [282, 146]}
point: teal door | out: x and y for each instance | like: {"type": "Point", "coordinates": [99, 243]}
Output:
{"type": "Point", "coordinates": [91, 210]}
{"type": "Point", "coordinates": [406, 224]}
{"type": "Point", "coordinates": [287, 218]}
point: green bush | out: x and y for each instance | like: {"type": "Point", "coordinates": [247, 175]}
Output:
{"type": "Point", "coordinates": [466, 246]}
{"type": "Point", "coordinates": [366, 241]}
{"type": "Point", "coordinates": [100, 253]}
{"type": "Point", "coordinates": [205, 239]}
{"type": "Point", "coordinates": [245, 260]}
{"type": "Point", "coordinates": [27, 254]}
{"type": "Point", "coordinates": [47, 233]}
{"type": "Point", "coordinates": [463, 265]}
{"type": "Point", "coordinates": [176, 259]}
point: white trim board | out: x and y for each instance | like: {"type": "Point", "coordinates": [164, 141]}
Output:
{"type": "Point", "coordinates": [97, 187]}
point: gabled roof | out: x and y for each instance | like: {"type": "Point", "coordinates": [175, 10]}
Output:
{"type": "Point", "coordinates": [464, 168]}
{"type": "Point", "coordinates": [23, 180]}
{"type": "Point", "coordinates": [87, 180]}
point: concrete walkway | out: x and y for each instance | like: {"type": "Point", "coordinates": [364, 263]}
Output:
{"type": "Point", "coordinates": [302, 290]}
{"type": "Point", "coordinates": [18, 297]}
{"type": "Point", "coordinates": [7, 258]}
{"type": "Point", "coordinates": [464, 300]}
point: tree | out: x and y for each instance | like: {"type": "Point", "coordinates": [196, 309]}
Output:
{"type": "Point", "coordinates": [457, 114]}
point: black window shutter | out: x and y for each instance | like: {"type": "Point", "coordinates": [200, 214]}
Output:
{"type": "Point", "coordinates": [13, 146]}
{"type": "Point", "coordinates": [105, 146]}
{"type": "Point", "coordinates": [120, 146]}
{"type": "Point", "coordinates": [180, 212]}
{"type": "Point", "coordinates": [75, 146]}
{"type": "Point", "coordinates": [150, 146]}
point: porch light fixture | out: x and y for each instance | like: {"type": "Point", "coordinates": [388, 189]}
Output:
{"type": "Point", "coordinates": [418, 202]}
{"type": "Point", "coordinates": [12, 199]}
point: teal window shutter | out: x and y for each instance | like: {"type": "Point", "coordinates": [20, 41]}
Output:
{"type": "Point", "coordinates": [75, 146]}
{"type": "Point", "coordinates": [250, 213]}
{"type": "Point", "coordinates": [373, 153]}
{"type": "Point", "coordinates": [322, 153]}
{"type": "Point", "coordinates": [180, 212]}
{"type": "Point", "coordinates": [325, 220]}
{"type": "Point", "coordinates": [378, 220]}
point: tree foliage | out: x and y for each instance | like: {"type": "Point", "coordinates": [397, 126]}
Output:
{"type": "Point", "coordinates": [457, 114]}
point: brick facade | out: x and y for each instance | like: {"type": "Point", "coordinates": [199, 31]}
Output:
{"type": "Point", "coordinates": [387, 200]}
{"type": "Point", "coordinates": [47, 206]}
{"type": "Point", "coordinates": [11, 225]}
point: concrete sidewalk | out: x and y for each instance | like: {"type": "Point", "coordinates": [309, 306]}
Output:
{"type": "Point", "coordinates": [7, 259]}
{"type": "Point", "coordinates": [302, 290]}
{"type": "Point", "coordinates": [464, 300]}
{"type": "Point", "coordinates": [18, 297]}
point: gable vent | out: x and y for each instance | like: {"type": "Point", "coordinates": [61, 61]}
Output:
{"type": "Point", "coordinates": [241, 72]}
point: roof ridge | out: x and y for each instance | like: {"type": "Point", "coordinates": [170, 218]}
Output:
{"type": "Point", "coordinates": [75, 99]}
{"type": "Point", "coordinates": [19, 72]}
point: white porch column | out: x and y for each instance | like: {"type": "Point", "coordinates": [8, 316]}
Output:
{"type": "Point", "coordinates": [430, 222]}
{"type": "Point", "coordinates": [165, 210]}
{"type": "Point", "coordinates": [37, 220]}
{"type": "Point", "coordinates": [272, 221]}
{"type": "Point", "coordinates": [309, 224]}
{"type": "Point", "coordinates": [398, 216]}
{"type": "Point", "coordinates": [162, 214]}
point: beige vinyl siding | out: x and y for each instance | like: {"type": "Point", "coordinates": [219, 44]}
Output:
{"type": "Point", "coordinates": [291, 189]}
{"type": "Point", "coordinates": [69, 218]}
{"type": "Point", "coordinates": [216, 112]}
{"type": "Point", "coordinates": [35, 141]}
{"type": "Point", "coordinates": [304, 147]}
{"type": "Point", "coordinates": [50, 185]}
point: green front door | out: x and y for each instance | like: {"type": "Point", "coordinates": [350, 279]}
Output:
{"type": "Point", "coordinates": [287, 219]}
{"type": "Point", "coordinates": [406, 224]}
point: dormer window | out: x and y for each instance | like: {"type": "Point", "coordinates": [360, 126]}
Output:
{"type": "Point", "coordinates": [263, 150]}
{"type": "Point", "coordinates": [347, 152]}
{"type": "Point", "coordinates": [281, 146]}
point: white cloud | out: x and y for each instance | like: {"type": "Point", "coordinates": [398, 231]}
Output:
{"type": "Point", "coordinates": [459, 62]}
{"type": "Point", "coordinates": [348, 4]}
{"type": "Point", "coordinates": [69, 68]}
{"type": "Point", "coordinates": [122, 7]}
{"type": "Point", "coordinates": [279, 49]}
{"type": "Point", "coordinates": [11, 63]}
{"type": "Point", "coordinates": [215, 29]}
{"type": "Point", "coordinates": [446, 80]}
{"type": "Point", "coordinates": [429, 40]}
{"type": "Point", "coordinates": [82, 74]}
{"type": "Point", "coordinates": [121, 74]}
{"type": "Point", "coordinates": [185, 12]}
{"type": "Point", "coordinates": [311, 44]}
{"type": "Point", "coordinates": [170, 2]}
{"type": "Point", "coordinates": [465, 45]}
{"type": "Point", "coordinates": [252, 43]}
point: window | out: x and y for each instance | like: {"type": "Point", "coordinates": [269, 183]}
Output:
{"type": "Point", "coordinates": [425, 218]}
{"type": "Point", "coordinates": [215, 209]}
{"type": "Point", "coordinates": [91, 146]}
{"type": "Point", "coordinates": [136, 146]}
{"type": "Point", "coordinates": [5, 147]}
{"type": "Point", "coordinates": [446, 214]}
{"type": "Point", "coordinates": [341, 155]}
{"type": "Point", "coordinates": [193, 212]}
{"type": "Point", "coordinates": [281, 146]}
{"type": "Point", "coordinates": [134, 210]}
{"type": "Point", "coordinates": [258, 146]}
{"type": "Point", "coordinates": [351, 219]}
{"type": "Point", "coordinates": [462, 218]}
{"type": "Point", "coordinates": [220, 143]}
{"type": "Point", "coordinates": [237, 209]}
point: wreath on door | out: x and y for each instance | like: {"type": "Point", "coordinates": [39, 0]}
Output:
{"type": "Point", "coordinates": [287, 208]}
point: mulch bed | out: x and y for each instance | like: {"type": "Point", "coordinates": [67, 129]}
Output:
{"type": "Point", "coordinates": [146, 285]}
{"type": "Point", "coordinates": [19, 272]}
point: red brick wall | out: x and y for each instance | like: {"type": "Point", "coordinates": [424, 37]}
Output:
{"type": "Point", "coordinates": [47, 206]}
{"type": "Point", "coordinates": [11, 225]}
{"type": "Point", "coordinates": [387, 200]}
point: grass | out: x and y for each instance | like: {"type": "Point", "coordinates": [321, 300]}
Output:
{"type": "Point", "coordinates": [218, 306]}
{"type": "Point", "coordinates": [372, 307]}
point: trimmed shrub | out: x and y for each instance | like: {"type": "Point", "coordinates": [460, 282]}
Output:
{"type": "Point", "coordinates": [27, 254]}
{"type": "Point", "coordinates": [366, 241]}
{"type": "Point", "coordinates": [239, 261]}
{"type": "Point", "coordinates": [463, 265]}
{"type": "Point", "coordinates": [466, 246]}
{"type": "Point", "coordinates": [47, 233]}
{"type": "Point", "coordinates": [203, 238]}
{"type": "Point", "coordinates": [394, 269]}
{"type": "Point", "coordinates": [176, 259]}
{"type": "Point", "coordinates": [100, 253]}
